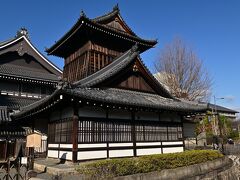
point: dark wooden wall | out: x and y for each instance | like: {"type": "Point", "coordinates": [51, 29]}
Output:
{"type": "Point", "coordinates": [87, 60]}
{"type": "Point", "coordinates": [136, 82]}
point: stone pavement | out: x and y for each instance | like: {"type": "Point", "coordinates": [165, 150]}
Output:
{"type": "Point", "coordinates": [54, 169]}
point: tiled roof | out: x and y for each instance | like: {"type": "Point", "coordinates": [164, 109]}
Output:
{"type": "Point", "coordinates": [14, 102]}
{"type": "Point", "coordinates": [134, 98]}
{"type": "Point", "coordinates": [107, 16]}
{"type": "Point", "coordinates": [43, 60]}
{"type": "Point", "coordinates": [4, 116]}
{"type": "Point", "coordinates": [119, 64]}
{"type": "Point", "coordinates": [6, 42]}
{"type": "Point", "coordinates": [23, 72]}
{"type": "Point", "coordinates": [114, 13]}
{"type": "Point", "coordinates": [85, 21]}
{"type": "Point", "coordinates": [113, 68]}
{"type": "Point", "coordinates": [120, 97]}
{"type": "Point", "coordinates": [221, 108]}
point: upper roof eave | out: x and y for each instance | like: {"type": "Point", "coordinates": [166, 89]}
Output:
{"type": "Point", "coordinates": [84, 21]}
{"type": "Point", "coordinates": [114, 13]}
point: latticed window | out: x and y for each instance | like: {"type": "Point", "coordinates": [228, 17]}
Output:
{"type": "Point", "coordinates": [100, 131]}
{"type": "Point", "coordinates": [60, 132]}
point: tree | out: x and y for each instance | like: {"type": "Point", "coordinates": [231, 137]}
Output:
{"type": "Point", "coordinates": [183, 72]}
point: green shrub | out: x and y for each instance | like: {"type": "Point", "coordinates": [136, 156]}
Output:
{"type": "Point", "coordinates": [109, 168]}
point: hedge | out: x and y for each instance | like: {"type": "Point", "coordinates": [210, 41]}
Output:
{"type": "Point", "coordinates": [110, 168]}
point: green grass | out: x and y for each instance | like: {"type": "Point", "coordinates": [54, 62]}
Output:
{"type": "Point", "coordinates": [109, 168]}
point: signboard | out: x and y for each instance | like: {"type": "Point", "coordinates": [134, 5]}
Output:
{"type": "Point", "coordinates": [34, 140]}
{"type": "Point", "coordinates": [23, 160]}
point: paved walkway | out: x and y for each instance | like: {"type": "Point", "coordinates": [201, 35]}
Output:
{"type": "Point", "coordinates": [54, 169]}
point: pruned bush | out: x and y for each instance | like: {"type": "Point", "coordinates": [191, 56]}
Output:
{"type": "Point", "coordinates": [109, 168]}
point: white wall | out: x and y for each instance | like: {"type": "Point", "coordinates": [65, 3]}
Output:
{"type": "Point", "coordinates": [84, 155]}
{"type": "Point", "coordinates": [67, 112]}
{"type": "Point", "coordinates": [172, 149]}
{"type": "Point", "coordinates": [119, 114]}
{"type": "Point", "coordinates": [92, 112]}
{"type": "Point", "coordinates": [188, 130]}
{"type": "Point", "coordinates": [121, 153]}
{"type": "Point", "coordinates": [148, 151]}
{"type": "Point", "coordinates": [152, 116]}
{"type": "Point", "coordinates": [55, 115]}
{"type": "Point", "coordinates": [170, 117]}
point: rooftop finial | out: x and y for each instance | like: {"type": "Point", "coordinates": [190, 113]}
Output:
{"type": "Point", "coordinates": [22, 32]}
{"type": "Point", "coordinates": [82, 14]}
{"type": "Point", "coordinates": [116, 8]}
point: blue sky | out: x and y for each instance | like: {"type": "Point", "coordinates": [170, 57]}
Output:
{"type": "Point", "coordinates": [212, 28]}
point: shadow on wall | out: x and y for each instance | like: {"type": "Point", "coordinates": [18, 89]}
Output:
{"type": "Point", "coordinates": [63, 158]}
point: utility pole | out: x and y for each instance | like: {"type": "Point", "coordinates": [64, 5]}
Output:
{"type": "Point", "coordinates": [216, 121]}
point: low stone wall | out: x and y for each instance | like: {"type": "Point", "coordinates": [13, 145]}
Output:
{"type": "Point", "coordinates": [208, 169]}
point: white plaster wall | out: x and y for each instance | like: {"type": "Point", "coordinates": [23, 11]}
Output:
{"type": "Point", "coordinates": [66, 145]}
{"type": "Point", "coordinates": [148, 144]}
{"type": "Point", "coordinates": [92, 112]}
{"type": "Point", "coordinates": [55, 115]}
{"type": "Point", "coordinates": [84, 155]}
{"type": "Point", "coordinates": [67, 112]}
{"type": "Point", "coordinates": [65, 155]}
{"type": "Point", "coordinates": [152, 116]}
{"type": "Point", "coordinates": [120, 144]}
{"type": "Point", "coordinates": [53, 153]}
{"type": "Point", "coordinates": [172, 143]}
{"type": "Point", "coordinates": [170, 117]}
{"type": "Point", "coordinates": [188, 130]}
{"type": "Point", "coordinates": [141, 152]}
{"type": "Point", "coordinates": [172, 149]}
{"type": "Point", "coordinates": [92, 145]}
{"type": "Point", "coordinates": [53, 145]}
{"type": "Point", "coordinates": [119, 114]}
{"type": "Point", "coordinates": [121, 153]}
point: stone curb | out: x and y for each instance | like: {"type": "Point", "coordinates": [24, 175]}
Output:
{"type": "Point", "coordinates": [188, 172]}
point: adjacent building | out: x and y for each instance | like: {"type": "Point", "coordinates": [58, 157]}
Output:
{"type": "Point", "coordinates": [26, 76]}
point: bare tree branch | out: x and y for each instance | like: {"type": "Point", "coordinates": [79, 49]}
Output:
{"type": "Point", "coordinates": [183, 72]}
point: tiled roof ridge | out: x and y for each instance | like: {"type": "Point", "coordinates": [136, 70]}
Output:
{"type": "Point", "coordinates": [115, 11]}
{"type": "Point", "coordinates": [108, 15]}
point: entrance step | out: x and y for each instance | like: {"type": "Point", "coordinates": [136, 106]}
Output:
{"type": "Point", "coordinates": [54, 166]}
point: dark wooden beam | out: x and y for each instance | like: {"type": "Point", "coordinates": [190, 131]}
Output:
{"type": "Point", "coordinates": [134, 134]}
{"type": "Point", "coordinates": [75, 134]}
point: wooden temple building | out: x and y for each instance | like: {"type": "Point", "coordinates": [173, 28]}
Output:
{"type": "Point", "coordinates": [108, 103]}
{"type": "Point", "coordinates": [25, 77]}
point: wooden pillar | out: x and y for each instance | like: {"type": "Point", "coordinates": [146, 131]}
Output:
{"type": "Point", "coordinates": [107, 116]}
{"type": "Point", "coordinates": [183, 133]}
{"type": "Point", "coordinates": [75, 134]}
{"type": "Point", "coordinates": [134, 134]}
